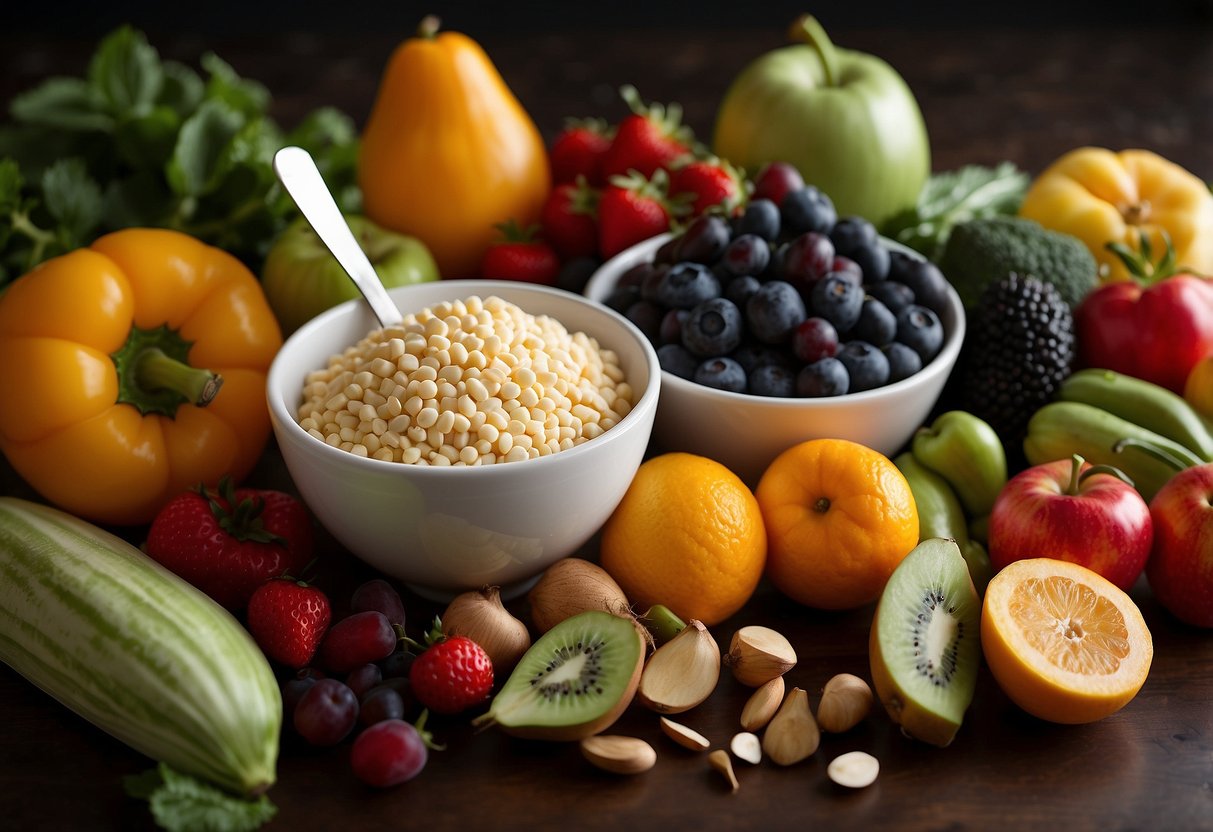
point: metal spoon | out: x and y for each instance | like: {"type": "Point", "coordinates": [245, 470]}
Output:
{"type": "Point", "coordinates": [297, 171]}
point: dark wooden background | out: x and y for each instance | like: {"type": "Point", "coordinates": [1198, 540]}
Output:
{"type": "Point", "coordinates": [990, 90]}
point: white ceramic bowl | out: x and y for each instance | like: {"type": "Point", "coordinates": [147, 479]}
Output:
{"type": "Point", "coordinates": [746, 432]}
{"type": "Point", "coordinates": [445, 530]}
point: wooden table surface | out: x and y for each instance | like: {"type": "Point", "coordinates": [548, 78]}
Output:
{"type": "Point", "coordinates": [987, 95]}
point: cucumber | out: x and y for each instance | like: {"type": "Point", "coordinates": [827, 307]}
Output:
{"type": "Point", "coordinates": [134, 649]}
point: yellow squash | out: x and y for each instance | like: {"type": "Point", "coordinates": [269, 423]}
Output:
{"type": "Point", "coordinates": [105, 409]}
{"type": "Point", "coordinates": [1103, 197]}
{"type": "Point", "coordinates": [448, 152]}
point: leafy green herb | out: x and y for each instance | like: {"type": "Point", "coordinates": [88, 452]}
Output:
{"type": "Point", "coordinates": [953, 197]}
{"type": "Point", "coordinates": [139, 141]}
{"type": "Point", "coordinates": [180, 803]}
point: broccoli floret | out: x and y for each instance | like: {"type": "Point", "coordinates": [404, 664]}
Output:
{"type": "Point", "coordinates": [984, 251]}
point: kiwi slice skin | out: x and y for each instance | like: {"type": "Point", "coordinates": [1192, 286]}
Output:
{"type": "Point", "coordinates": [608, 653]}
{"type": "Point", "coordinates": [925, 642]}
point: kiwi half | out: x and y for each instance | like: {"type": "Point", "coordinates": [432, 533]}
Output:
{"type": "Point", "coordinates": [926, 643]}
{"type": "Point", "coordinates": [574, 681]}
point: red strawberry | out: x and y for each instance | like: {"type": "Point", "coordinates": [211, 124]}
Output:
{"type": "Point", "coordinates": [519, 256]}
{"type": "Point", "coordinates": [651, 137]}
{"type": "Point", "coordinates": [578, 149]}
{"type": "Point", "coordinates": [287, 619]}
{"type": "Point", "coordinates": [706, 183]}
{"type": "Point", "coordinates": [452, 674]}
{"type": "Point", "coordinates": [633, 208]}
{"type": "Point", "coordinates": [570, 219]}
{"type": "Point", "coordinates": [229, 542]}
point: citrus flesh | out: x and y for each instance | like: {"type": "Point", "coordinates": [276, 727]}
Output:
{"type": "Point", "coordinates": [1065, 644]}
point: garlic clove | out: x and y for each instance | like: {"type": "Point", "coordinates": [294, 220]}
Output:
{"type": "Point", "coordinates": [846, 701]}
{"type": "Point", "coordinates": [855, 769]}
{"type": "Point", "coordinates": [681, 673]}
{"type": "Point", "coordinates": [762, 705]}
{"type": "Point", "coordinates": [759, 654]}
{"type": "Point", "coordinates": [482, 617]}
{"type": "Point", "coordinates": [746, 746]}
{"type": "Point", "coordinates": [719, 759]}
{"type": "Point", "coordinates": [684, 736]}
{"type": "Point", "coordinates": [618, 754]}
{"type": "Point", "coordinates": [792, 734]}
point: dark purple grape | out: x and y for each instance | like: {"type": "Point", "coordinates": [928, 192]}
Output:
{"type": "Point", "coordinates": [807, 209]}
{"type": "Point", "coordinates": [827, 377]}
{"type": "Point", "coordinates": [846, 266]}
{"type": "Point", "coordinates": [398, 664]}
{"type": "Point", "coordinates": [362, 637]}
{"type": "Point", "coordinates": [667, 252]}
{"type": "Point", "coordinates": [806, 259]}
{"type": "Point", "coordinates": [837, 300]}
{"type": "Point", "coordinates": [675, 359]}
{"type": "Point", "coordinates": [648, 286]}
{"type": "Point", "coordinates": [919, 328]}
{"type": "Point", "coordinates": [772, 380]}
{"type": "Point", "coordinates": [774, 312]}
{"type": "Point", "coordinates": [388, 753]}
{"type": "Point", "coordinates": [713, 328]}
{"type": "Point", "coordinates": [687, 285]}
{"type": "Point", "coordinates": [704, 240]}
{"type": "Point", "coordinates": [761, 217]}
{"type": "Point", "coordinates": [814, 340]}
{"type": "Point", "coordinates": [635, 276]}
{"type": "Point", "coordinates": [621, 297]}
{"type": "Point", "coordinates": [380, 596]}
{"type": "Point", "coordinates": [903, 361]}
{"type": "Point", "coordinates": [647, 317]}
{"type": "Point", "coordinates": [866, 365]}
{"type": "Point", "coordinates": [748, 254]}
{"type": "Point", "coordinates": [326, 714]}
{"type": "Point", "coordinates": [670, 331]}
{"type": "Point", "coordinates": [294, 688]}
{"type": "Point", "coordinates": [363, 678]}
{"type": "Point", "coordinates": [876, 324]}
{"type": "Point", "coordinates": [722, 373]}
{"type": "Point", "coordinates": [380, 704]}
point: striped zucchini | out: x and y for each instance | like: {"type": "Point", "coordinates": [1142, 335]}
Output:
{"type": "Point", "coordinates": [134, 649]}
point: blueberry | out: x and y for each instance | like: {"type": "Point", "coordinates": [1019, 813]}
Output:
{"type": "Point", "coordinates": [772, 380]}
{"type": "Point", "coordinates": [827, 377]}
{"type": "Point", "coordinates": [713, 328]}
{"type": "Point", "coordinates": [838, 300]}
{"type": "Point", "coordinates": [919, 328]}
{"type": "Point", "coordinates": [670, 331]}
{"type": "Point", "coordinates": [774, 311]}
{"type": "Point", "coordinates": [723, 373]}
{"type": "Point", "coordinates": [867, 366]}
{"type": "Point", "coordinates": [876, 325]}
{"type": "Point", "coordinates": [741, 289]}
{"type": "Point", "coordinates": [807, 209]}
{"type": "Point", "coordinates": [705, 239]}
{"type": "Point", "coordinates": [874, 260]}
{"type": "Point", "coordinates": [924, 278]}
{"type": "Point", "coordinates": [752, 355]}
{"type": "Point", "coordinates": [686, 285]}
{"type": "Point", "coordinates": [675, 359]}
{"type": "Point", "coordinates": [896, 296]}
{"type": "Point", "coordinates": [647, 317]}
{"type": "Point", "coordinates": [903, 361]}
{"type": "Point", "coordinates": [761, 217]}
{"type": "Point", "coordinates": [850, 234]}
{"type": "Point", "coordinates": [747, 254]}
{"type": "Point", "coordinates": [576, 273]}
{"type": "Point", "coordinates": [621, 297]}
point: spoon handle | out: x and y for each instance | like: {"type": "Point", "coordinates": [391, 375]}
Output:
{"type": "Point", "coordinates": [297, 171]}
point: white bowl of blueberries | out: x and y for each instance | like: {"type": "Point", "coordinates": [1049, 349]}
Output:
{"type": "Point", "coordinates": [784, 324]}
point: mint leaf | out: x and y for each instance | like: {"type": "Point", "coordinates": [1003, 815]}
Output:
{"type": "Point", "coordinates": [148, 140]}
{"type": "Point", "coordinates": [226, 85]}
{"type": "Point", "coordinates": [10, 186]}
{"type": "Point", "coordinates": [74, 199]}
{"type": "Point", "coordinates": [125, 71]}
{"type": "Point", "coordinates": [204, 137]}
{"type": "Point", "coordinates": [62, 103]}
{"type": "Point", "coordinates": [182, 89]}
{"type": "Point", "coordinates": [330, 136]}
{"type": "Point", "coordinates": [180, 803]}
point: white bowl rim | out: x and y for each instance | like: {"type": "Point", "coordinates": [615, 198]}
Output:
{"type": "Point", "coordinates": [941, 363]}
{"type": "Point", "coordinates": [482, 287]}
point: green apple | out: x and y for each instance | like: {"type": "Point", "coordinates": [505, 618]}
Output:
{"type": "Point", "coordinates": [301, 278]}
{"type": "Point", "coordinates": [845, 119]}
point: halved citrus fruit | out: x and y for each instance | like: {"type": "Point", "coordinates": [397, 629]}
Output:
{"type": "Point", "coordinates": [1065, 644]}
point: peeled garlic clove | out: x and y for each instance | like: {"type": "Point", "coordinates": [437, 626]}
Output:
{"type": "Point", "coordinates": [745, 746]}
{"type": "Point", "coordinates": [721, 762]}
{"type": "Point", "coordinates": [759, 654]}
{"type": "Point", "coordinates": [482, 617]}
{"type": "Point", "coordinates": [792, 734]}
{"type": "Point", "coordinates": [855, 769]}
{"type": "Point", "coordinates": [684, 736]}
{"type": "Point", "coordinates": [621, 755]}
{"type": "Point", "coordinates": [846, 701]}
{"type": "Point", "coordinates": [682, 673]}
{"type": "Point", "coordinates": [762, 705]}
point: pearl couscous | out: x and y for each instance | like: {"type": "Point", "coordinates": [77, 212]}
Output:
{"type": "Point", "coordinates": [470, 382]}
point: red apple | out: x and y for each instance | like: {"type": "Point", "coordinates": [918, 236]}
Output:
{"type": "Point", "coordinates": [1180, 570]}
{"type": "Point", "coordinates": [1070, 510]}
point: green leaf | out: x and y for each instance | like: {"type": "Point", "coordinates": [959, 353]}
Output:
{"type": "Point", "coordinates": [203, 139]}
{"type": "Point", "coordinates": [148, 141]}
{"type": "Point", "coordinates": [182, 90]}
{"type": "Point", "coordinates": [10, 187]}
{"type": "Point", "coordinates": [180, 803]}
{"type": "Point", "coordinates": [322, 130]}
{"type": "Point", "coordinates": [64, 104]}
{"type": "Point", "coordinates": [241, 94]}
{"type": "Point", "coordinates": [142, 199]}
{"type": "Point", "coordinates": [73, 199]}
{"type": "Point", "coordinates": [125, 71]}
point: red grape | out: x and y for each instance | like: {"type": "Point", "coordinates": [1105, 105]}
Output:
{"type": "Point", "coordinates": [351, 642]}
{"type": "Point", "coordinates": [388, 753]}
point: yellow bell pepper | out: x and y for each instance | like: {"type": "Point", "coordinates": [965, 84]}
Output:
{"type": "Point", "coordinates": [104, 407]}
{"type": "Point", "coordinates": [1102, 197]}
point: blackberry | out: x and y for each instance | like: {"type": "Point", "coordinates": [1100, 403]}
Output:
{"type": "Point", "coordinates": [1019, 349]}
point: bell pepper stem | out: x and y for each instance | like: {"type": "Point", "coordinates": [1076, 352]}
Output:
{"type": "Point", "coordinates": [808, 30]}
{"type": "Point", "coordinates": [429, 26]}
{"type": "Point", "coordinates": [154, 370]}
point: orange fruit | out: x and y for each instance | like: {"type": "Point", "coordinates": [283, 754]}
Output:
{"type": "Point", "coordinates": [1063, 643]}
{"type": "Point", "coordinates": [687, 534]}
{"type": "Point", "coordinates": [1198, 388]}
{"type": "Point", "coordinates": [839, 519]}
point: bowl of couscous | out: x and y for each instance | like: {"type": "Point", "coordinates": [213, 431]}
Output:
{"type": "Point", "coordinates": [488, 435]}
